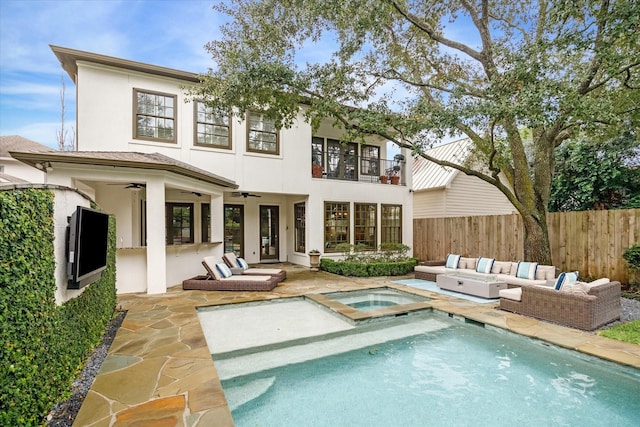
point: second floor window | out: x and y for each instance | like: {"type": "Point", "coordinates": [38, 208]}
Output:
{"type": "Point", "coordinates": [155, 116]}
{"type": "Point", "coordinates": [262, 135]}
{"type": "Point", "coordinates": [211, 129]}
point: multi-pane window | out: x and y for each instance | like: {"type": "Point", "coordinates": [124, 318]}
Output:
{"type": "Point", "coordinates": [262, 135]}
{"type": "Point", "coordinates": [205, 219]}
{"type": "Point", "coordinates": [391, 223]}
{"type": "Point", "coordinates": [179, 220]}
{"type": "Point", "coordinates": [317, 157]}
{"type": "Point", "coordinates": [342, 160]}
{"type": "Point", "coordinates": [299, 210]}
{"type": "Point", "coordinates": [155, 116]}
{"type": "Point", "coordinates": [364, 225]}
{"type": "Point", "coordinates": [370, 160]}
{"type": "Point", "coordinates": [212, 130]}
{"type": "Point", "coordinates": [336, 225]}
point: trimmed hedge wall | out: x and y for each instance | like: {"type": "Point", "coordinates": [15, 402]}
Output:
{"type": "Point", "coordinates": [372, 269]}
{"type": "Point", "coordinates": [42, 346]}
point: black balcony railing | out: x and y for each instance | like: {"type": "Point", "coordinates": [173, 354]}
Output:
{"type": "Point", "coordinates": [362, 169]}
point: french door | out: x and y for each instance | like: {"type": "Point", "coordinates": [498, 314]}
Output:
{"type": "Point", "coordinates": [269, 229]}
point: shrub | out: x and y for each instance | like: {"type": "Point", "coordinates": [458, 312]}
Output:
{"type": "Point", "coordinates": [42, 346]}
{"type": "Point", "coordinates": [358, 269]}
{"type": "Point", "coordinates": [631, 255]}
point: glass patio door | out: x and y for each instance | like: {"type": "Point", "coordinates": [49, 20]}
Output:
{"type": "Point", "coordinates": [269, 228]}
{"type": "Point", "coordinates": [234, 229]}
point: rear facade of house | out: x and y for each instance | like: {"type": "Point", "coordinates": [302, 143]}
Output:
{"type": "Point", "coordinates": [295, 190]}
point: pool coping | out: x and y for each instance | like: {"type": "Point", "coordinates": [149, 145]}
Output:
{"type": "Point", "coordinates": [159, 368]}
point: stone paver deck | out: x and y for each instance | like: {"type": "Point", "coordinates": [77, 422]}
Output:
{"type": "Point", "coordinates": [159, 371]}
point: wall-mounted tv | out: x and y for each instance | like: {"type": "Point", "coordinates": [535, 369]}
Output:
{"type": "Point", "coordinates": [87, 236]}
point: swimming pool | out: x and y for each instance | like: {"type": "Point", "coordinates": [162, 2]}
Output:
{"type": "Point", "coordinates": [459, 374]}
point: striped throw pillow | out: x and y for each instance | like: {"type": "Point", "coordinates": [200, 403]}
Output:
{"type": "Point", "coordinates": [452, 261]}
{"type": "Point", "coordinates": [242, 263]}
{"type": "Point", "coordinates": [484, 265]}
{"type": "Point", "coordinates": [224, 271]}
{"type": "Point", "coordinates": [526, 270]}
{"type": "Point", "coordinates": [569, 278]}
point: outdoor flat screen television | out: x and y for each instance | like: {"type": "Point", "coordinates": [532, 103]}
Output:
{"type": "Point", "coordinates": [86, 246]}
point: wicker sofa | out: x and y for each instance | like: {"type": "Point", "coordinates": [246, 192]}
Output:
{"type": "Point", "coordinates": [596, 305]}
{"type": "Point", "coordinates": [504, 271]}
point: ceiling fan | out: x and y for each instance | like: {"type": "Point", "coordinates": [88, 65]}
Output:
{"type": "Point", "coordinates": [195, 193]}
{"type": "Point", "coordinates": [243, 194]}
{"type": "Point", "coordinates": [132, 185]}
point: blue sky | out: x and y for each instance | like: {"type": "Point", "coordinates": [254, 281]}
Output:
{"type": "Point", "coordinates": [170, 33]}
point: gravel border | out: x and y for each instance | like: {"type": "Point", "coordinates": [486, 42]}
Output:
{"type": "Point", "coordinates": [64, 413]}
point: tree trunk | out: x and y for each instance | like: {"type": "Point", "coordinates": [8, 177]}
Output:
{"type": "Point", "coordinates": [536, 238]}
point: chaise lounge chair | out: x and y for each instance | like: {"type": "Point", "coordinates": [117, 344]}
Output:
{"type": "Point", "coordinates": [215, 281]}
{"type": "Point", "coordinates": [242, 267]}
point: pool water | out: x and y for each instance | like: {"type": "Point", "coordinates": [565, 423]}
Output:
{"type": "Point", "coordinates": [460, 375]}
{"type": "Point", "coordinates": [375, 298]}
{"type": "Point", "coordinates": [370, 305]}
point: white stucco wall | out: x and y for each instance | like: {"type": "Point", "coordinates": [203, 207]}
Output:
{"type": "Point", "coordinates": [65, 203]}
{"type": "Point", "coordinates": [20, 170]}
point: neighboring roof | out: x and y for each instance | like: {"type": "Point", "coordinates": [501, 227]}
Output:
{"type": "Point", "coordinates": [18, 143]}
{"type": "Point", "coordinates": [69, 59]}
{"type": "Point", "coordinates": [428, 175]}
{"type": "Point", "coordinates": [155, 161]}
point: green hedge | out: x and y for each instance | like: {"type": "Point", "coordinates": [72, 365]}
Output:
{"type": "Point", "coordinates": [42, 346]}
{"type": "Point", "coordinates": [372, 269]}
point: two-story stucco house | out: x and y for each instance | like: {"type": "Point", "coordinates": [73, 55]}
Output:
{"type": "Point", "coordinates": [183, 183]}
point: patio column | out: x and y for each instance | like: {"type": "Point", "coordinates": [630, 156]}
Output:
{"type": "Point", "coordinates": [156, 246]}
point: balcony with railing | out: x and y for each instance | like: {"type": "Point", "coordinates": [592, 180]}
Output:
{"type": "Point", "coordinates": [358, 168]}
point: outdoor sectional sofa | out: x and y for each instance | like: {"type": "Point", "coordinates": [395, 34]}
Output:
{"type": "Point", "coordinates": [504, 271]}
{"type": "Point", "coordinates": [588, 307]}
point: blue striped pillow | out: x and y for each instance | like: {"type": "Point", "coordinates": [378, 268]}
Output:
{"type": "Point", "coordinates": [485, 265]}
{"type": "Point", "coordinates": [566, 279]}
{"type": "Point", "coordinates": [242, 263]}
{"type": "Point", "coordinates": [527, 270]}
{"type": "Point", "coordinates": [224, 270]}
{"type": "Point", "coordinates": [452, 261]}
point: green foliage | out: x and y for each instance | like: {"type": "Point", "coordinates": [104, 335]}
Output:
{"type": "Point", "coordinates": [631, 256]}
{"type": "Point", "coordinates": [373, 269]}
{"type": "Point", "coordinates": [43, 346]}
{"type": "Point", "coordinates": [558, 68]}
{"type": "Point", "coordinates": [387, 252]}
{"type": "Point", "coordinates": [596, 174]}
{"type": "Point", "coordinates": [628, 332]}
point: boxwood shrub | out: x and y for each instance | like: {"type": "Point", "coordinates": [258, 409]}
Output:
{"type": "Point", "coordinates": [372, 269]}
{"type": "Point", "coordinates": [43, 346]}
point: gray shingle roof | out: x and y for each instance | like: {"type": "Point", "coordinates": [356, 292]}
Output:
{"type": "Point", "coordinates": [19, 143]}
{"type": "Point", "coordinates": [137, 160]}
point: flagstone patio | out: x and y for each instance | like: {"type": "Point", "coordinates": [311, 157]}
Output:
{"type": "Point", "coordinates": [159, 371]}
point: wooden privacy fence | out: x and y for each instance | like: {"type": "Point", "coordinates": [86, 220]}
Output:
{"type": "Point", "coordinates": [591, 242]}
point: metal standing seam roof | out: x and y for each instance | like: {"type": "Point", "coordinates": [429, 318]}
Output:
{"type": "Point", "coordinates": [129, 159]}
{"type": "Point", "coordinates": [428, 175]}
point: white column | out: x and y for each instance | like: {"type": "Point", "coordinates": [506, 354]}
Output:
{"type": "Point", "coordinates": [156, 246]}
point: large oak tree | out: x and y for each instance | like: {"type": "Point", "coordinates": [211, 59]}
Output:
{"type": "Point", "coordinates": [516, 77]}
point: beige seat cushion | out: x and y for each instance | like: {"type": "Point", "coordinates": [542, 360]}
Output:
{"type": "Point", "coordinates": [514, 294]}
